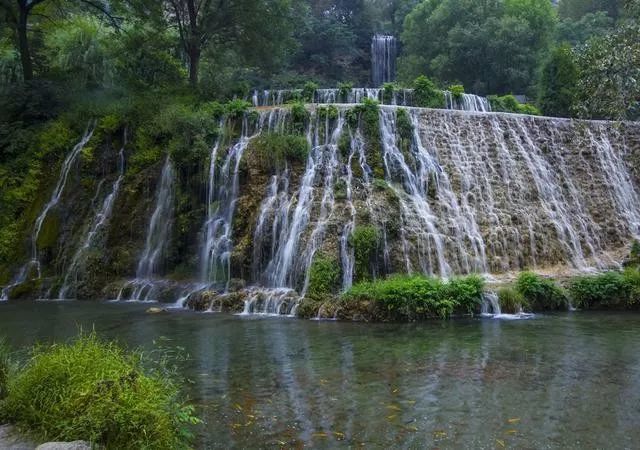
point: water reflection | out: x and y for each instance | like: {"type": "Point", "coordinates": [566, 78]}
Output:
{"type": "Point", "coordinates": [569, 380]}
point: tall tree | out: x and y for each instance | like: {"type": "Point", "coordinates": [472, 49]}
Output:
{"type": "Point", "coordinates": [558, 83]}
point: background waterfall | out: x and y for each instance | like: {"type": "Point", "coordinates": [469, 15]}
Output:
{"type": "Point", "coordinates": [383, 59]}
{"type": "Point", "coordinates": [34, 263]}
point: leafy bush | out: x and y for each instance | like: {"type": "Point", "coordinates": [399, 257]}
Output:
{"type": "Point", "coordinates": [457, 90]}
{"type": "Point", "coordinates": [511, 300]}
{"type": "Point", "coordinates": [324, 277]}
{"type": "Point", "coordinates": [426, 94]}
{"type": "Point", "coordinates": [299, 117]}
{"type": "Point", "coordinates": [328, 112]}
{"type": "Point", "coordinates": [508, 103]}
{"type": "Point", "coordinates": [634, 254]}
{"type": "Point", "coordinates": [410, 297]}
{"type": "Point", "coordinates": [540, 293]}
{"type": "Point", "coordinates": [273, 149]}
{"type": "Point", "coordinates": [607, 290]}
{"type": "Point", "coordinates": [345, 89]}
{"type": "Point", "coordinates": [403, 122]}
{"type": "Point", "coordinates": [236, 108]}
{"type": "Point", "coordinates": [93, 390]}
{"type": "Point", "coordinates": [308, 91]}
{"type": "Point", "coordinates": [388, 89]}
{"type": "Point", "coordinates": [364, 241]}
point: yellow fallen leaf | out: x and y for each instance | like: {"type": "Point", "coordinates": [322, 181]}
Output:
{"type": "Point", "coordinates": [323, 435]}
{"type": "Point", "coordinates": [238, 407]}
{"type": "Point", "coordinates": [411, 428]}
{"type": "Point", "coordinates": [338, 435]}
{"type": "Point", "coordinates": [440, 434]}
{"type": "Point", "coordinates": [512, 431]}
{"type": "Point", "coordinates": [501, 443]}
{"type": "Point", "coordinates": [391, 417]}
{"type": "Point", "coordinates": [394, 407]}
{"type": "Point", "coordinates": [395, 391]}
{"type": "Point", "coordinates": [516, 420]}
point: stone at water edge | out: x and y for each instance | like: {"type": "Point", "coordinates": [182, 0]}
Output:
{"type": "Point", "coordinates": [75, 445]}
{"type": "Point", "coordinates": [156, 311]}
{"type": "Point", "coordinates": [11, 439]}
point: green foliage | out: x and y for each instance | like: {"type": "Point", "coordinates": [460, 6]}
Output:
{"type": "Point", "coordinates": [324, 277]}
{"type": "Point", "coordinates": [426, 94]}
{"type": "Point", "coordinates": [345, 89]}
{"type": "Point", "coordinates": [308, 91]}
{"type": "Point", "coordinates": [508, 103]}
{"type": "Point", "coordinates": [578, 32]}
{"type": "Point", "coordinates": [388, 89]}
{"type": "Point", "coordinates": [94, 390]}
{"type": "Point", "coordinates": [634, 254]}
{"type": "Point", "coordinates": [299, 117]}
{"type": "Point", "coordinates": [540, 293]}
{"type": "Point", "coordinates": [511, 300]}
{"type": "Point", "coordinates": [273, 150]}
{"type": "Point", "coordinates": [558, 83]}
{"type": "Point", "coordinates": [607, 289]}
{"type": "Point", "coordinates": [490, 47]}
{"type": "Point", "coordinates": [235, 109]}
{"type": "Point", "coordinates": [417, 297]}
{"type": "Point", "coordinates": [328, 112]}
{"type": "Point", "coordinates": [457, 90]}
{"type": "Point", "coordinates": [364, 241]}
{"type": "Point", "coordinates": [609, 68]}
{"type": "Point", "coordinates": [403, 122]}
{"type": "Point", "coordinates": [4, 370]}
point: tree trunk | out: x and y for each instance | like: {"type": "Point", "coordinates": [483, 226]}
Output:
{"type": "Point", "coordinates": [23, 43]}
{"type": "Point", "coordinates": [194, 64]}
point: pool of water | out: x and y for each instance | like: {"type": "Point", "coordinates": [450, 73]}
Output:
{"type": "Point", "coordinates": [556, 381]}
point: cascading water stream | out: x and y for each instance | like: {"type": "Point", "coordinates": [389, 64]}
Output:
{"type": "Point", "coordinates": [144, 286]}
{"type": "Point", "coordinates": [100, 220]}
{"type": "Point", "coordinates": [67, 164]}
{"type": "Point", "coordinates": [383, 59]}
{"type": "Point", "coordinates": [467, 102]}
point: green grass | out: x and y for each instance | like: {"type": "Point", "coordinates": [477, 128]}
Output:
{"type": "Point", "coordinates": [413, 297]}
{"type": "Point", "coordinates": [93, 390]}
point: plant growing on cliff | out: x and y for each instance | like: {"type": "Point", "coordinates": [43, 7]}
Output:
{"type": "Point", "coordinates": [324, 277]}
{"type": "Point", "coordinates": [426, 94]}
{"type": "Point", "coordinates": [273, 150]}
{"type": "Point", "coordinates": [541, 293]}
{"type": "Point", "coordinates": [364, 241]}
{"type": "Point", "coordinates": [457, 91]}
{"type": "Point", "coordinates": [308, 91]}
{"type": "Point", "coordinates": [508, 103]}
{"type": "Point", "coordinates": [94, 390]}
{"type": "Point", "coordinates": [344, 90]}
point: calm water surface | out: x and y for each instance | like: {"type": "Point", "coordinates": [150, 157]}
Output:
{"type": "Point", "coordinates": [557, 381]}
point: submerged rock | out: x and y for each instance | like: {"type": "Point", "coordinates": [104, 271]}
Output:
{"type": "Point", "coordinates": [156, 310]}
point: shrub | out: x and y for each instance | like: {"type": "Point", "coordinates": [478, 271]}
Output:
{"type": "Point", "coordinates": [299, 117]}
{"type": "Point", "coordinates": [457, 90]}
{"type": "Point", "coordinates": [511, 300]}
{"type": "Point", "coordinates": [308, 91]}
{"type": "Point", "coordinates": [403, 122]}
{"type": "Point", "coordinates": [330, 112]}
{"type": "Point", "coordinates": [607, 289]}
{"type": "Point", "coordinates": [93, 390]}
{"type": "Point", "coordinates": [632, 280]}
{"type": "Point", "coordinates": [426, 94]}
{"type": "Point", "coordinates": [540, 293]}
{"type": "Point", "coordinates": [634, 254]}
{"type": "Point", "coordinates": [345, 90]}
{"type": "Point", "coordinates": [364, 241]}
{"type": "Point", "coordinates": [388, 89]}
{"type": "Point", "coordinates": [508, 103]}
{"type": "Point", "coordinates": [274, 149]}
{"type": "Point", "coordinates": [324, 277]}
{"type": "Point", "coordinates": [410, 297]}
{"type": "Point", "coordinates": [235, 109]}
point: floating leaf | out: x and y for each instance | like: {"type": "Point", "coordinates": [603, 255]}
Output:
{"type": "Point", "coordinates": [516, 420]}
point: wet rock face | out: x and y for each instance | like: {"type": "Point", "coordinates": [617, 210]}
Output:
{"type": "Point", "coordinates": [432, 191]}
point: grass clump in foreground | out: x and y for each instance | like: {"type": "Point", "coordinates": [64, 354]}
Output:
{"type": "Point", "coordinates": [416, 297]}
{"type": "Point", "coordinates": [93, 390]}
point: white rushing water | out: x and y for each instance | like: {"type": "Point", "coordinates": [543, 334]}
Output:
{"type": "Point", "coordinates": [467, 102]}
{"type": "Point", "coordinates": [33, 265]}
{"type": "Point", "coordinates": [99, 221]}
{"type": "Point", "coordinates": [145, 286]}
{"type": "Point", "coordinates": [383, 59]}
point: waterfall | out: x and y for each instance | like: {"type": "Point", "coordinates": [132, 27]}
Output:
{"type": "Point", "coordinates": [417, 218]}
{"type": "Point", "coordinates": [99, 221]}
{"type": "Point", "coordinates": [290, 257]}
{"type": "Point", "coordinates": [467, 102]}
{"type": "Point", "coordinates": [34, 263]}
{"type": "Point", "coordinates": [490, 304]}
{"type": "Point", "coordinates": [383, 59]}
{"type": "Point", "coordinates": [222, 196]}
{"type": "Point", "coordinates": [144, 286]}
{"type": "Point", "coordinates": [347, 253]}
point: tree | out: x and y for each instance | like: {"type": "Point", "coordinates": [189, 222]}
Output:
{"type": "Point", "coordinates": [19, 13]}
{"type": "Point", "coordinates": [558, 83]}
{"type": "Point", "coordinates": [576, 9]}
{"type": "Point", "coordinates": [491, 46]}
{"type": "Point", "coordinates": [580, 31]}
